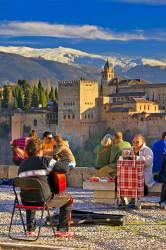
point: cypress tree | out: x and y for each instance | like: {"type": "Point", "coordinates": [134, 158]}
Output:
{"type": "Point", "coordinates": [56, 93]}
{"type": "Point", "coordinates": [5, 101]}
{"type": "Point", "coordinates": [35, 98]}
{"type": "Point", "coordinates": [40, 92]}
{"type": "Point", "coordinates": [52, 94]}
{"type": "Point", "coordinates": [27, 97]}
{"type": "Point", "coordinates": [20, 102]}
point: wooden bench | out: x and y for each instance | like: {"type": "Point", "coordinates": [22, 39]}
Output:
{"type": "Point", "coordinates": [104, 192]}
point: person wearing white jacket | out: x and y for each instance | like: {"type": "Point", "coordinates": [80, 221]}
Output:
{"type": "Point", "coordinates": [144, 153]}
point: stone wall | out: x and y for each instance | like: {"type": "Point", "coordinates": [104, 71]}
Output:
{"type": "Point", "coordinates": [74, 179]}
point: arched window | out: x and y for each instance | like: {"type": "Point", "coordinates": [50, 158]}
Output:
{"type": "Point", "coordinates": [35, 122]}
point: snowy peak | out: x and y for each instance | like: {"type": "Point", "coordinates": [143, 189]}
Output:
{"type": "Point", "coordinates": [73, 56]}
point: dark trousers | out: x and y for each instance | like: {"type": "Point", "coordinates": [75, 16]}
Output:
{"type": "Point", "coordinates": [64, 202]}
{"type": "Point", "coordinates": [163, 193]}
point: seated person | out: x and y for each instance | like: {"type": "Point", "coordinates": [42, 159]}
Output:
{"type": "Point", "coordinates": [19, 145]}
{"type": "Point", "coordinates": [159, 164]}
{"type": "Point", "coordinates": [103, 151]}
{"type": "Point", "coordinates": [115, 152]}
{"type": "Point", "coordinates": [36, 166]}
{"type": "Point", "coordinates": [63, 158]}
{"type": "Point", "coordinates": [144, 153]}
{"type": "Point", "coordinates": [47, 144]}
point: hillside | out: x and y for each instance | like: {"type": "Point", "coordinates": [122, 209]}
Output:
{"type": "Point", "coordinates": [14, 67]}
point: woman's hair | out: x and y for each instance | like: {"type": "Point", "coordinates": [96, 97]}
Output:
{"type": "Point", "coordinates": [33, 134]}
{"type": "Point", "coordinates": [58, 138]}
{"type": "Point", "coordinates": [107, 140]}
{"type": "Point", "coordinates": [33, 147]}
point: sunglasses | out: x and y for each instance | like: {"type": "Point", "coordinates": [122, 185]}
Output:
{"type": "Point", "coordinates": [49, 138]}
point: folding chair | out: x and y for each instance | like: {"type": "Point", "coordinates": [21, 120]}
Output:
{"type": "Point", "coordinates": [33, 185]}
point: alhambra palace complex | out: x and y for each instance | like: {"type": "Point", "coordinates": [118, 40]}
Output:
{"type": "Point", "coordinates": [86, 107]}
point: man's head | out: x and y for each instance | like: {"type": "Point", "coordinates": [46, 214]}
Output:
{"type": "Point", "coordinates": [118, 137]}
{"type": "Point", "coordinates": [34, 147]}
{"type": "Point", "coordinates": [47, 136]}
{"type": "Point", "coordinates": [163, 135]}
{"type": "Point", "coordinates": [138, 141]}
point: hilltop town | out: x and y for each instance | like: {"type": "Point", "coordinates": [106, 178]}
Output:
{"type": "Point", "coordinates": [86, 107]}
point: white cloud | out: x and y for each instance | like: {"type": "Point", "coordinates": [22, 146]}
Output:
{"type": "Point", "coordinates": [15, 29]}
{"type": "Point", "coordinates": [151, 2]}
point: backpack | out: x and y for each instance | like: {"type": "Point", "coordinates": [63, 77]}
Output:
{"type": "Point", "coordinates": [21, 143]}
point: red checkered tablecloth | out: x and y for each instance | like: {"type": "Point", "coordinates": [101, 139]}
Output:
{"type": "Point", "coordinates": [130, 178]}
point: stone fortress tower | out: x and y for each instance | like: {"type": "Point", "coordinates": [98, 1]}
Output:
{"type": "Point", "coordinates": [77, 111]}
{"type": "Point", "coordinates": [107, 77]}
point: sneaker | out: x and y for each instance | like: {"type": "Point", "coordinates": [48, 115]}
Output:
{"type": "Point", "coordinates": [66, 234]}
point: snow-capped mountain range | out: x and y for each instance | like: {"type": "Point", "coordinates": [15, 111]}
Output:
{"type": "Point", "coordinates": [72, 56]}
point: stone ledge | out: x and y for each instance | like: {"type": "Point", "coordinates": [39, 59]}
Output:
{"type": "Point", "coordinates": [102, 186]}
{"type": "Point", "coordinates": [8, 171]}
{"type": "Point", "coordinates": [75, 177]}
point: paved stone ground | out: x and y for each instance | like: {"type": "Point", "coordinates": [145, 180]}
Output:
{"type": "Point", "coordinates": [144, 229]}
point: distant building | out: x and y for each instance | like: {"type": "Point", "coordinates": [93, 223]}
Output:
{"type": "Point", "coordinates": [120, 104]}
{"type": "Point", "coordinates": [41, 120]}
{"type": "Point", "coordinates": [86, 107]}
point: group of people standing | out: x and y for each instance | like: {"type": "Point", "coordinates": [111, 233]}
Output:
{"type": "Point", "coordinates": [41, 158]}
{"type": "Point", "coordinates": [112, 148]}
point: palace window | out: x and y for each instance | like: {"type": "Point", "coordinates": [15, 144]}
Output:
{"type": "Point", "coordinates": [35, 122]}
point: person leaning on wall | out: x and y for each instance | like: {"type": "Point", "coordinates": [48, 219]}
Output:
{"type": "Point", "coordinates": [103, 151]}
{"type": "Point", "coordinates": [144, 153]}
{"type": "Point", "coordinates": [115, 152]}
{"type": "Point", "coordinates": [63, 159]}
{"type": "Point", "coordinates": [159, 165]}
{"type": "Point", "coordinates": [48, 144]}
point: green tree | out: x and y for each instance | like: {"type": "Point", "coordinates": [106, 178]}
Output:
{"type": "Point", "coordinates": [40, 92]}
{"type": "Point", "coordinates": [56, 93]}
{"type": "Point", "coordinates": [5, 101]}
{"type": "Point", "coordinates": [46, 93]}
{"type": "Point", "coordinates": [35, 98]}
{"type": "Point", "coordinates": [52, 94]}
{"type": "Point", "coordinates": [20, 101]}
{"type": "Point", "coordinates": [27, 98]}
{"type": "Point", "coordinates": [44, 100]}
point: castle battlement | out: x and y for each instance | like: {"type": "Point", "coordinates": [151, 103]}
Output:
{"type": "Point", "coordinates": [72, 83]}
{"type": "Point", "coordinates": [77, 83]}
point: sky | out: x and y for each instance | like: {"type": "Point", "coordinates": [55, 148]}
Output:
{"type": "Point", "coordinates": [107, 27]}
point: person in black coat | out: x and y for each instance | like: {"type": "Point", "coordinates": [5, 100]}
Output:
{"type": "Point", "coordinates": [36, 166]}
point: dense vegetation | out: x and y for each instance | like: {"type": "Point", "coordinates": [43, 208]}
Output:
{"type": "Point", "coordinates": [25, 96]}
